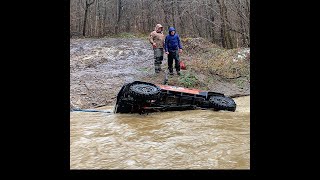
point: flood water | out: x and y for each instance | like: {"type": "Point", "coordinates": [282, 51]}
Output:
{"type": "Point", "coordinates": [195, 139]}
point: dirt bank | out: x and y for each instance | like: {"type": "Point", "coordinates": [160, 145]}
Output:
{"type": "Point", "coordinates": [99, 68]}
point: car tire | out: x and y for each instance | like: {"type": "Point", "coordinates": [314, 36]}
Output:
{"type": "Point", "coordinates": [222, 103]}
{"type": "Point", "coordinates": [144, 91]}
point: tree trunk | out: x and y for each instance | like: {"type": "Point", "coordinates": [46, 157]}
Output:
{"type": "Point", "coordinates": [166, 14]}
{"type": "Point", "coordinates": [85, 21]}
{"type": "Point", "coordinates": [172, 13]}
{"type": "Point", "coordinates": [88, 4]}
{"type": "Point", "coordinates": [225, 30]}
{"type": "Point", "coordinates": [182, 26]}
{"type": "Point", "coordinates": [212, 34]}
{"type": "Point", "coordinates": [248, 16]}
{"type": "Point", "coordinates": [119, 12]}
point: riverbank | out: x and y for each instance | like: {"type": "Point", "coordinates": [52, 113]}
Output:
{"type": "Point", "coordinates": [100, 67]}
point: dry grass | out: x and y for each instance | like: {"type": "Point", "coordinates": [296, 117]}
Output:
{"type": "Point", "coordinates": [209, 62]}
{"type": "Point", "coordinates": [206, 62]}
{"type": "Point", "coordinates": [222, 65]}
{"type": "Point", "coordinates": [209, 58]}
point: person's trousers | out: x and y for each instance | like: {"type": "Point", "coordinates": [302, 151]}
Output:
{"type": "Point", "coordinates": [158, 57]}
{"type": "Point", "coordinates": [173, 55]}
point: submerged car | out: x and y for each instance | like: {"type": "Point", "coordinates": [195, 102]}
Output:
{"type": "Point", "coordinates": [143, 97]}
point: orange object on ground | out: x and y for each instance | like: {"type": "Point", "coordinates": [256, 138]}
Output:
{"type": "Point", "coordinates": [182, 65]}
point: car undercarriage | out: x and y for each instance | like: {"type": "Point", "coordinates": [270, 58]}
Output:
{"type": "Point", "coordinates": [143, 97]}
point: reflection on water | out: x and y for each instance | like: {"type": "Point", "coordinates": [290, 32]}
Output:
{"type": "Point", "coordinates": [195, 139]}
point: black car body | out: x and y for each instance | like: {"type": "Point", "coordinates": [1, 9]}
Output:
{"type": "Point", "coordinates": [142, 97]}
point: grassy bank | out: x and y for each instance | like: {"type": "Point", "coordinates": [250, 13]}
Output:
{"type": "Point", "coordinates": [208, 62]}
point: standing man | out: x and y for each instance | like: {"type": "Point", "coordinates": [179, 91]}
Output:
{"type": "Point", "coordinates": [157, 40]}
{"type": "Point", "coordinates": [173, 48]}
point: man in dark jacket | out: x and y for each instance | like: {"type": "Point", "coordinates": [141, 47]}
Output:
{"type": "Point", "coordinates": [173, 47]}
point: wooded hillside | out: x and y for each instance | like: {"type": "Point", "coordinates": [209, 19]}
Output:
{"type": "Point", "coordinates": [223, 22]}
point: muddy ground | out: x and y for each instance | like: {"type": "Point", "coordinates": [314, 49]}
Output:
{"type": "Point", "coordinates": [100, 67]}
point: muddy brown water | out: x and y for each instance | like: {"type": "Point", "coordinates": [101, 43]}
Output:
{"type": "Point", "coordinates": [195, 139]}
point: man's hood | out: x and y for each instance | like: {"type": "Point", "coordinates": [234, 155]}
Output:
{"type": "Point", "coordinates": [157, 27]}
{"type": "Point", "coordinates": [171, 29]}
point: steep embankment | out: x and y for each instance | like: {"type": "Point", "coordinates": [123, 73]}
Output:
{"type": "Point", "coordinates": [99, 68]}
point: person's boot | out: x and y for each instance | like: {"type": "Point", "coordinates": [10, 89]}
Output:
{"type": "Point", "coordinates": [178, 72]}
{"type": "Point", "coordinates": [170, 71]}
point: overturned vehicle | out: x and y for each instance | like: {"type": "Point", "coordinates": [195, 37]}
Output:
{"type": "Point", "coordinates": [143, 97]}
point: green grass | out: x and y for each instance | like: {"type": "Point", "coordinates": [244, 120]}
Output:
{"type": "Point", "coordinates": [188, 80]}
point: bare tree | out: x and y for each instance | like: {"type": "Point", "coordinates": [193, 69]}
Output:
{"type": "Point", "coordinates": [225, 30]}
{"type": "Point", "coordinates": [88, 4]}
{"type": "Point", "coordinates": [119, 13]}
{"type": "Point", "coordinates": [224, 22]}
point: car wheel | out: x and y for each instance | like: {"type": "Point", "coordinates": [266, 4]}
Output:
{"type": "Point", "coordinates": [222, 103]}
{"type": "Point", "coordinates": [144, 91]}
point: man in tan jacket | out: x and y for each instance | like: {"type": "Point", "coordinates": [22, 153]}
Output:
{"type": "Point", "coordinates": [157, 40]}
